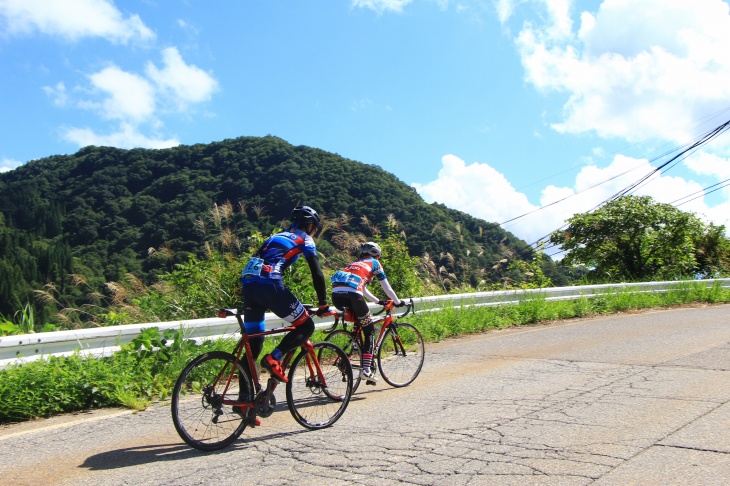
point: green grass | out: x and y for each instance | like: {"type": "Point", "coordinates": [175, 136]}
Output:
{"type": "Point", "coordinates": [145, 370]}
{"type": "Point", "coordinates": [451, 322]}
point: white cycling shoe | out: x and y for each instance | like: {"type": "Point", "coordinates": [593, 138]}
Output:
{"type": "Point", "coordinates": [369, 377]}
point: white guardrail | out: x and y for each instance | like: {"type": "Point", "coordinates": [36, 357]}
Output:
{"type": "Point", "coordinates": [103, 341]}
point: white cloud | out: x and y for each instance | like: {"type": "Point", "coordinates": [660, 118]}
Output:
{"type": "Point", "coordinates": [560, 24]}
{"type": "Point", "coordinates": [126, 136]}
{"type": "Point", "coordinates": [504, 9]}
{"type": "Point", "coordinates": [709, 164]}
{"type": "Point", "coordinates": [633, 67]}
{"type": "Point", "coordinates": [9, 164]}
{"type": "Point", "coordinates": [185, 83]}
{"type": "Point", "coordinates": [480, 190]}
{"type": "Point", "coordinates": [127, 96]}
{"type": "Point", "coordinates": [477, 189]}
{"type": "Point", "coordinates": [72, 20]}
{"type": "Point", "coordinates": [715, 166]}
{"type": "Point", "coordinates": [632, 70]}
{"type": "Point", "coordinates": [58, 94]}
{"type": "Point", "coordinates": [381, 6]}
{"type": "Point", "coordinates": [134, 102]}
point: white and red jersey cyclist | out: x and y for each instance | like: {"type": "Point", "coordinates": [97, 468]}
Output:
{"type": "Point", "coordinates": [356, 276]}
{"type": "Point", "coordinates": [349, 290]}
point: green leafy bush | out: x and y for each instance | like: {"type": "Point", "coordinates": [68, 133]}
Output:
{"type": "Point", "coordinates": [146, 369]}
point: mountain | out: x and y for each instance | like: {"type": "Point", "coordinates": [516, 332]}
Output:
{"type": "Point", "coordinates": [98, 212]}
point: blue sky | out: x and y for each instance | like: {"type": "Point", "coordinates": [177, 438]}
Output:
{"type": "Point", "coordinates": [495, 107]}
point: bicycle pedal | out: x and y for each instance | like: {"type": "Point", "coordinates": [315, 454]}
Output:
{"type": "Point", "coordinates": [371, 382]}
{"type": "Point", "coordinates": [253, 422]}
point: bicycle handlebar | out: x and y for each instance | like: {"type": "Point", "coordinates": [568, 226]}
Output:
{"type": "Point", "coordinates": [389, 306]}
{"type": "Point", "coordinates": [339, 315]}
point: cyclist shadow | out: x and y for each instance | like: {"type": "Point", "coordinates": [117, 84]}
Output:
{"type": "Point", "coordinates": [135, 456]}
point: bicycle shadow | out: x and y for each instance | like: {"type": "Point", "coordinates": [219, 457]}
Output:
{"type": "Point", "coordinates": [136, 456]}
{"type": "Point", "coordinates": [140, 455]}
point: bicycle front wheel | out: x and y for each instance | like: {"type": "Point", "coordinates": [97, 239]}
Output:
{"type": "Point", "coordinates": [400, 356]}
{"type": "Point", "coordinates": [199, 413]}
{"type": "Point", "coordinates": [318, 401]}
{"type": "Point", "coordinates": [352, 347]}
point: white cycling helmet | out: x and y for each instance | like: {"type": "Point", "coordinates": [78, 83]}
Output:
{"type": "Point", "coordinates": [370, 248]}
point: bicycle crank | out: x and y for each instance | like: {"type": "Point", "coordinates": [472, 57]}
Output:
{"type": "Point", "coordinates": [265, 403]}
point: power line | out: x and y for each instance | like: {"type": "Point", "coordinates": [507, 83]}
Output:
{"type": "Point", "coordinates": [692, 147]}
{"type": "Point", "coordinates": [603, 182]}
{"type": "Point", "coordinates": [684, 150]}
{"type": "Point", "coordinates": [695, 124]}
{"type": "Point", "coordinates": [704, 192]}
{"type": "Point", "coordinates": [676, 159]}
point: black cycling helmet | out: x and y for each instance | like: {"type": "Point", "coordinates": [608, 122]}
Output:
{"type": "Point", "coordinates": [306, 215]}
{"type": "Point", "coordinates": [371, 249]}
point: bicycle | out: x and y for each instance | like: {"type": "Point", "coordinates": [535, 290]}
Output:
{"type": "Point", "coordinates": [399, 347]}
{"type": "Point", "coordinates": [218, 394]}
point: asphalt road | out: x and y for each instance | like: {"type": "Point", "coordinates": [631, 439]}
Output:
{"type": "Point", "coordinates": [629, 399]}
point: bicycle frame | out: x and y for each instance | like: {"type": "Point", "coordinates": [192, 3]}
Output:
{"type": "Point", "coordinates": [244, 345]}
{"type": "Point", "coordinates": [217, 396]}
{"type": "Point", "coordinates": [398, 349]}
{"type": "Point", "coordinates": [385, 322]}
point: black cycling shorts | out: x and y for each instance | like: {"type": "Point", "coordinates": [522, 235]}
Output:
{"type": "Point", "coordinates": [258, 297]}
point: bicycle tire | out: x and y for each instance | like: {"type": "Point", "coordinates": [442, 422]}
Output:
{"type": "Point", "coordinates": [312, 405]}
{"type": "Point", "coordinates": [199, 416]}
{"type": "Point", "coordinates": [401, 354]}
{"type": "Point", "coordinates": [352, 346]}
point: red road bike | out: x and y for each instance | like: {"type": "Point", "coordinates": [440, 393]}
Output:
{"type": "Point", "coordinates": [399, 349]}
{"type": "Point", "coordinates": [218, 394]}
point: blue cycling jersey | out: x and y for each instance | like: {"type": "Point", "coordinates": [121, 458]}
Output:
{"type": "Point", "coordinates": [276, 255]}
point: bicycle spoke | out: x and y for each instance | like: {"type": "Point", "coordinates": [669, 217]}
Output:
{"type": "Point", "coordinates": [352, 348]}
{"type": "Point", "coordinates": [401, 354]}
{"type": "Point", "coordinates": [199, 410]}
{"type": "Point", "coordinates": [315, 402]}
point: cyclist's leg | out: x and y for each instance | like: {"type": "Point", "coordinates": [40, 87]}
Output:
{"type": "Point", "coordinates": [356, 303]}
{"type": "Point", "coordinates": [285, 305]}
{"type": "Point", "coordinates": [365, 320]}
{"type": "Point", "coordinates": [253, 323]}
{"type": "Point", "coordinates": [253, 314]}
{"type": "Point", "coordinates": [297, 337]}
{"type": "Point", "coordinates": [341, 300]}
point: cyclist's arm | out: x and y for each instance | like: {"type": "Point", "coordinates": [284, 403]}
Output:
{"type": "Point", "coordinates": [318, 279]}
{"type": "Point", "coordinates": [368, 295]}
{"type": "Point", "coordinates": [389, 291]}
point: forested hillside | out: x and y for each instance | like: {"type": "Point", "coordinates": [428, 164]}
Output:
{"type": "Point", "coordinates": [97, 214]}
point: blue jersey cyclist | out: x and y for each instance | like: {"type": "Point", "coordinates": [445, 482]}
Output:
{"type": "Point", "coordinates": [263, 287]}
{"type": "Point", "coordinates": [349, 289]}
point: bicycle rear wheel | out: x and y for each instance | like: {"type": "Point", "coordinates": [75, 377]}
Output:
{"type": "Point", "coordinates": [312, 403]}
{"type": "Point", "coordinates": [352, 348]}
{"type": "Point", "coordinates": [400, 356]}
{"type": "Point", "coordinates": [198, 411]}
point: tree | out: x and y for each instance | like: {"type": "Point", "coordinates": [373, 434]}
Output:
{"type": "Point", "coordinates": [400, 267]}
{"type": "Point", "coordinates": [97, 213]}
{"type": "Point", "coordinates": [636, 238]}
{"type": "Point", "coordinates": [713, 252]}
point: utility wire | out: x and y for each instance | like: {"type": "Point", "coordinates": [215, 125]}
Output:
{"type": "Point", "coordinates": [692, 147]}
{"type": "Point", "coordinates": [676, 159]}
{"type": "Point", "coordinates": [696, 124]}
{"type": "Point", "coordinates": [704, 192]}
{"type": "Point", "coordinates": [594, 186]}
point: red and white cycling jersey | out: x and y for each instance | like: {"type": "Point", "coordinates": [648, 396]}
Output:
{"type": "Point", "coordinates": [357, 275]}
